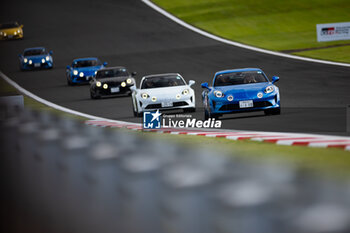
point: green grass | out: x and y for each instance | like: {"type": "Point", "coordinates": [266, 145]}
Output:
{"type": "Point", "coordinates": [341, 54]}
{"type": "Point", "coordinates": [270, 24]}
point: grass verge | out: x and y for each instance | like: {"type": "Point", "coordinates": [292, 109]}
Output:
{"type": "Point", "coordinates": [269, 24]}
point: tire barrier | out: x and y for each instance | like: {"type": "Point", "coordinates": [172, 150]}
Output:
{"type": "Point", "coordinates": [62, 176]}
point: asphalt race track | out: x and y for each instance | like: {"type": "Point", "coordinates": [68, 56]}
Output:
{"type": "Point", "coordinates": [129, 33]}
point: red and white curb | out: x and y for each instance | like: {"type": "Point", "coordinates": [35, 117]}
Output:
{"type": "Point", "coordinates": [291, 139]}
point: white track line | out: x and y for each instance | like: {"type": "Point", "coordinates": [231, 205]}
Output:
{"type": "Point", "coordinates": [206, 34]}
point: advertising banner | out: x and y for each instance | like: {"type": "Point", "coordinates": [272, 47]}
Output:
{"type": "Point", "coordinates": [333, 31]}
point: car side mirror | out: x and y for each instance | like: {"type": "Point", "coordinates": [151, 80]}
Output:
{"type": "Point", "coordinates": [68, 67]}
{"type": "Point", "coordinates": [275, 79]}
{"type": "Point", "coordinates": [133, 74]}
{"type": "Point", "coordinates": [133, 88]}
{"type": "Point", "coordinates": [51, 52]}
{"type": "Point", "coordinates": [191, 82]}
{"type": "Point", "coordinates": [205, 85]}
{"type": "Point", "coordinates": [105, 63]}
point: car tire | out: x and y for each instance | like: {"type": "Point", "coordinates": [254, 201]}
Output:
{"type": "Point", "coordinates": [69, 82]}
{"type": "Point", "coordinates": [189, 109]}
{"type": "Point", "coordinates": [208, 115]}
{"type": "Point", "coordinates": [93, 96]}
{"type": "Point", "coordinates": [273, 111]}
{"type": "Point", "coordinates": [136, 113]}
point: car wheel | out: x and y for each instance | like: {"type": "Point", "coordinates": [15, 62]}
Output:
{"type": "Point", "coordinates": [69, 82]}
{"type": "Point", "coordinates": [94, 96]}
{"type": "Point", "coordinates": [135, 110]}
{"type": "Point", "coordinates": [189, 109]}
{"type": "Point", "coordinates": [273, 111]}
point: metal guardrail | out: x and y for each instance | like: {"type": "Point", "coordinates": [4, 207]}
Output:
{"type": "Point", "coordinates": [62, 176]}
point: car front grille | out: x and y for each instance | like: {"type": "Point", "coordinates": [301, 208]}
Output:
{"type": "Point", "coordinates": [228, 107]}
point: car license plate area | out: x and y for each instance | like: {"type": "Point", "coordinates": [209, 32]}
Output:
{"type": "Point", "coordinates": [167, 104]}
{"type": "Point", "coordinates": [246, 104]}
{"type": "Point", "coordinates": [115, 89]}
{"type": "Point", "coordinates": [36, 64]}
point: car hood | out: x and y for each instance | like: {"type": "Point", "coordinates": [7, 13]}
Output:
{"type": "Point", "coordinates": [9, 30]}
{"type": "Point", "coordinates": [88, 69]}
{"type": "Point", "coordinates": [243, 90]}
{"type": "Point", "coordinates": [172, 91]}
{"type": "Point", "coordinates": [113, 79]}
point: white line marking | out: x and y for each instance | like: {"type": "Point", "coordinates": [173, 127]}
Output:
{"type": "Point", "coordinates": [206, 34]}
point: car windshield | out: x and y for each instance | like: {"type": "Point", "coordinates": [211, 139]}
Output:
{"type": "Point", "coordinates": [162, 81]}
{"type": "Point", "coordinates": [86, 63]}
{"type": "Point", "coordinates": [9, 25]}
{"type": "Point", "coordinates": [237, 78]}
{"type": "Point", "coordinates": [33, 52]}
{"type": "Point", "coordinates": [119, 72]}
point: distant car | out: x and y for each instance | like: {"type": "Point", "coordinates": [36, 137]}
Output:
{"type": "Point", "coordinates": [83, 70]}
{"type": "Point", "coordinates": [112, 81]}
{"type": "Point", "coordinates": [11, 31]}
{"type": "Point", "coordinates": [35, 58]}
{"type": "Point", "coordinates": [241, 90]}
{"type": "Point", "coordinates": [163, 92]}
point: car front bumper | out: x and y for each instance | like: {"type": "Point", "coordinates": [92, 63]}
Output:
{"type": "Point", "coordinates": [167, 104]}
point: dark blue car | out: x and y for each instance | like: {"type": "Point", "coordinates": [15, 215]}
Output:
{"type": "Point", "coordinates": [83, 70]}
{"type": "Point", "coordinates": [241, 90]}
{"type": "Point", "coordinates": [35, 58]}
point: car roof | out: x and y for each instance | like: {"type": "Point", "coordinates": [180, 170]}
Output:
{"type": "Point", "coordinates": [34, 48]}
{"type": "Point", "coordinates": [237, 70]}
{"type": "Point", "coordinates": [85, 59]}
{"type": "Point", "coordinates": [157, 75]}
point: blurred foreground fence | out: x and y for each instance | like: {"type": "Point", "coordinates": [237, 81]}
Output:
{"type": "Point", "coordinates": [61, 176]}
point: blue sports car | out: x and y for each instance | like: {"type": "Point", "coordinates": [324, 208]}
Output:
{"type": "Point", "coordinates": [241, 90]}
{"type": "Point", "coordinates": [83, 70]}
{"type": "Point", "coordinates": [35, 58]}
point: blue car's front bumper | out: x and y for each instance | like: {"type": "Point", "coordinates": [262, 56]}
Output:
{"type": "Point", "coordinates": [223, 106]}
{"type": "Point", "coordinates": [38, 65]}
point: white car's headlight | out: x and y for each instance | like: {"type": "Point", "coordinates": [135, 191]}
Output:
{"type": "Point", "coordinates": [129, 81]}
{"type": "Point", "coordinates": [123, 84]}
{"type": "Point", "coordinates": [144, 95]}
{"type": "Point", "coordinates": [81, 74]}
{"type": "Point", "coordinates": [154, 99]}
{"type": "Point", "coordinates": [30, 62]}
{"type": "Point", "coordinates": [105, 86]}
{"type": "Point", "coordinates": [25, 60]}
{"type": "Point", "coordinates": [98, 84]}
{"type": "Point", "coordinates": [43, 60]}
{"type": "Point", "coordinates": [75, 72]}
{"type": "Point", "coordinates": [47, 58]}
{"type": "Point", "coordinates": [269, 89]}
{"type": "Point", "coordinates": [178, 96]}
{"type": "Point", "coordinates": [260, 95]}
{"type": "Point", "coordinates": [230, 98]}
{"type": "Point", "coordinates": [218, 94]}
{"type": "Point", "coordinates": [185, 92]}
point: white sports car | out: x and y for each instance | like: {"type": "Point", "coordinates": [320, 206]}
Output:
{"type": "Point", "coordinates": [163, 92]}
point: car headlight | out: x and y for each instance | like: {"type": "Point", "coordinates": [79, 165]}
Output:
{"type": "Point", "coordinates": [178, 96]}
{"type": "Point", "coordinates": [260, 95]}
{"type": "Point", "coordinates": [81, 74]}
{"type": "Point", "coordinates": [98, 84]}
{"type": "Point", "coordinates": [19, 31]}
{"type": "Point", "coordinates": [154, 99]}
{"type": "Point", "coordinates": [75, 72]}
{"type": "Point", "coordinates": [95, 72]}
{"type": "Point", "coordinates": [218, 94]}
{"type": "Point", "coordinates": [144, 95]}
{"type": "Point", "coordinates": [15, 33]}
{"type": "Point", "coordinates": [43, 60]}
{"type": "Point", "coordinates": [47, 58]}
{"type": "Point", "coordinates": [230, 98]}
{"type": "Point", "coordinates": [30, 62]}
{"type": "Point", "coordinates": [129, 81]}
{"type": "Point", "coordinates": [5, 34]}
{"type": "Point", "coordinates": [123, 84]}
{"type": "Point", "coordinates": [25, 60]}
{"type": "Point", "coordinates": [1, 33]}
{"type": "Point", "coordinates": [269, 89]}
{"type": "Point", "coordinates": [105, 86]}
{"type": "Point", "coordinates": [185, 92]}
